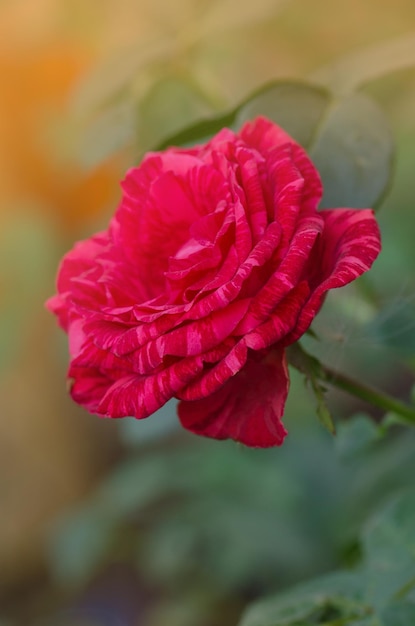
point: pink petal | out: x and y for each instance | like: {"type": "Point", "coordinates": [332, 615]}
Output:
{"type": "Point", "coordinates": [252, 188]}
{"type": "Point", "coordinates": [106, 385]}
{"type": "Point", "coordinates": [348, 247]}
{"type": "Point", "coordinates": [161, 200]}
{"type": "Point", "coordinates": [77, 265]}
{"type": "Point", "coordinates": [139, 396]}
{"type": "Point", "coordinates": [272, 331]}
{"type": "Point", "coordinates": [286, 276]}
{"type": "Point", "coordinates": [191, 339]}
{"type": "Point", "coordinates": [264, 135]}
{"type": "Point", "coordinates": [272, 141]}
{"type": "Point", "coordinates": [248, 408]}
{"type": "Point", "coordinates": [91, 373]}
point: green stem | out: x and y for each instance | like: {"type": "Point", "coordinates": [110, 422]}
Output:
{"type": "Point", "coordinates": [309, 365]}
{"type": "Point", "coordinates": [369, 394]}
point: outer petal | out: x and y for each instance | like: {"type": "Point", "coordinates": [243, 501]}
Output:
{"type": "Point", "coordinates": [264, 135]}
{"type": "Point", "coordinates": [103, 384]}
{"type": "Point", "coordinates": [248, 408]}
{"type": "Point", "coordinates": [91, 373]}
{"type": "Point", "coordinates": [77, 267]}
{"type": "Point", "coordinates": [348, 247]}
{"type": "Point", "coordinates": [140, 396]}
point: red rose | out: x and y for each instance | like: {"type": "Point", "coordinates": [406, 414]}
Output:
{"type": "Point", "coordinates": [215, 260]}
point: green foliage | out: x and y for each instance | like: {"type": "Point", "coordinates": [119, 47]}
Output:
{"type": "Point", "coordinates": [170, 104]}
{"type": "Point", "coordinates": [311, 368]}
{"type": "Point", "coordinates": [330, 600]}
{"type": "Point", "coordinates": [191, 512]}
{"type": "Point", "coordinates": [297, 107]}
{"type": "Point", "coordinates": [356, 435]}
{"type": "Point", "coordinates": [389, 552]}
{"type": "Point", "coordinates": [353, 151]}
{"type": "Point", "coordinates": [348, 139]}
{"type": "Point", "coordinates": [394, 326]}
{"type": "Point", "coordinates": [377, 593]}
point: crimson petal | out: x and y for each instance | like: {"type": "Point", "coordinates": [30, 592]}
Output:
{"type": "Point", "coordinates": [348, 247]}
{"type": "Point", "coordinates": [248, 408]}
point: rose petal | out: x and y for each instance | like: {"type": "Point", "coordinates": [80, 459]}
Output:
{"type": "Point", "coordinates": [248, 408]}
{"type": "Point", "coordinates": [119, 393]}
{"type": "Point", "coordinates": [264, 135]}
{"type": "Point", "coordinates": [269, 333]}
{"type": "Point", "coordinates": [191, 339]}
{"type": "Point", "coordinates": [348, 247]}
{"type": "Point", "coordinates": [80, 262]}
{"type": "Point", "coordinates": [253, 191]}
{"type": "Point", "coordinates": [286, 276]}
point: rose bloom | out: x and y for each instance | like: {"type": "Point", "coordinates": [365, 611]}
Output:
{"type": "Point", "coordinates": [215, 260]}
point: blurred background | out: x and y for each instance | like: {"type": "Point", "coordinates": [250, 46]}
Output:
{"type": "Point", "coordinates": [113, 524]}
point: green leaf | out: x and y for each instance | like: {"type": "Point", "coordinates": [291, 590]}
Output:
{"type": "Point", "coordinates": [311, 368]}
{"type": "Point", "coordinates": [297, 107]}
{"type": "Point", "coordinates": [356, 435]}
{"type": "Point", "coordinates": [170, 104]}
{"type": "Point", "coordinates": [198, 132]}
{"type": "Point", "coordinates": [389, 550]}
{"type": "Point", "coordinates": [381, 592]}
{"type": "Point", "coordinates": [332, 599]}
{"type": "Point", "coordinates": [323, 411]}
{"type": "Point", "coordinates": [391, 419]}
{"type": "Point", "coordinates": [348, 139]}
{"type": "Point", "coordinates": [394, 326]}
{"type": "Point", "coordinates": [399, 614]}
{"type": "Point", "coordinates": [353, 152]}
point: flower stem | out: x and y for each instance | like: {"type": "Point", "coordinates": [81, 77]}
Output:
{"type": "Point", "coordinates": [306, 363]}
{"type": "Point", "coordinates": [369, 394]}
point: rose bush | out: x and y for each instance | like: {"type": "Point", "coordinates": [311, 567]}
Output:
{"type": "Point", "coordinates": [215, 260]}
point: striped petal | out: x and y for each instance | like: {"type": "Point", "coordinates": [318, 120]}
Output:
{"type": "Point", "coordinates": [248, 408]}
{"type": "Point", "coordinates": [348, 247]}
